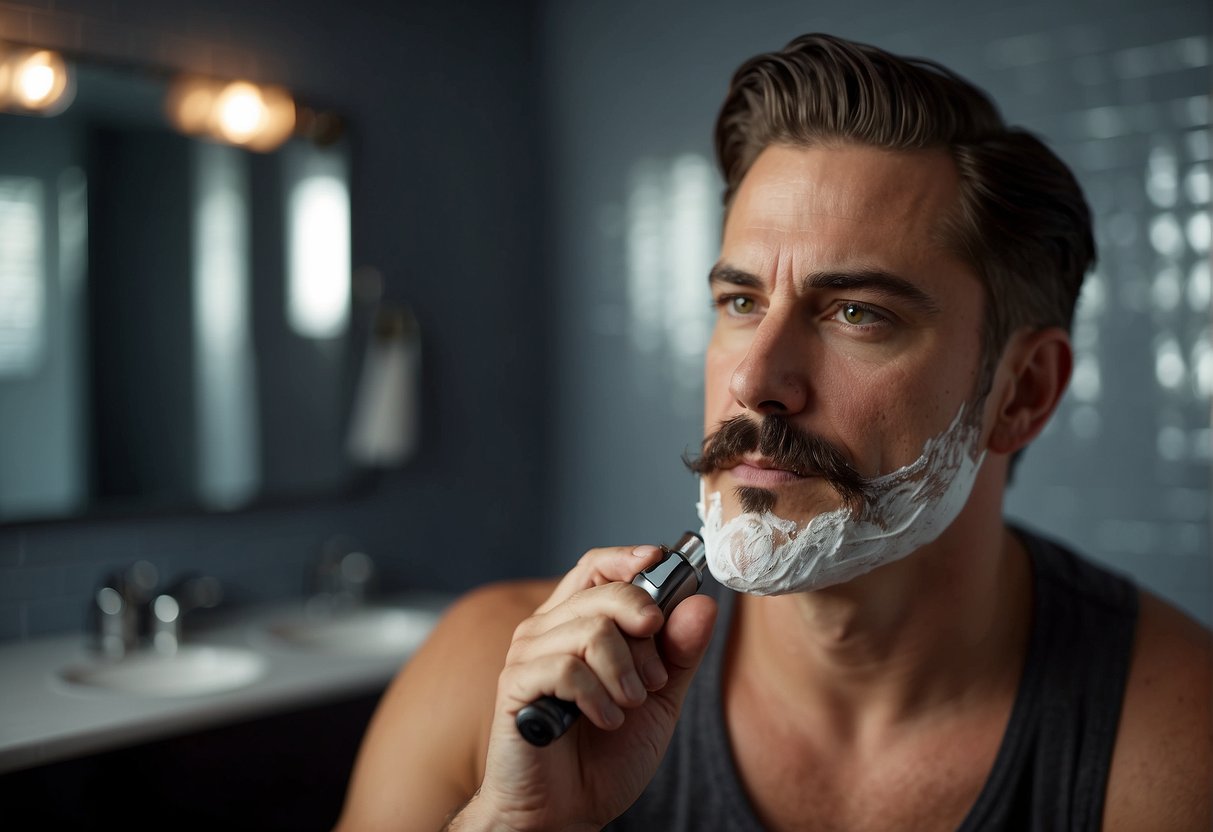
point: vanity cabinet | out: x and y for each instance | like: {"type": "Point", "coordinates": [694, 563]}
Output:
{"type": "Point", "coordinates": [285, 771]}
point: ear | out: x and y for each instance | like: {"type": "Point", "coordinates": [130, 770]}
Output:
{"type": "Point", "coordinates": [1028, 384]}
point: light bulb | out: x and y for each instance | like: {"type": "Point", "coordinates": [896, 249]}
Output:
{"type": "Point", "coordinates": [234, 112]}
{"type": "Point", "coordinates": [38, 80]}
{"type": "Point", "coordinates": [240, 112]}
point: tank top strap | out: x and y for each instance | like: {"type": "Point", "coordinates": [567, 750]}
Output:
{"type": "Point", "coordinates": [1052, 767]}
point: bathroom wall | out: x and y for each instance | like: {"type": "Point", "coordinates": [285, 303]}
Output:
{"type": "Point", "coordinates": [536, 181]}
{"type": "Point", "coordinates": [1119, 90]}
{"type": "Point", "coordinates": [443, 105]}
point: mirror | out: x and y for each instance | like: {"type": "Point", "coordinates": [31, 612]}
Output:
{"type": "Point", "coordinates": [177, 325]}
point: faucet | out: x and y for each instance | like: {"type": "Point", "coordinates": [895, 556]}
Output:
{"type": "Point", "coordinates": [169, 607]}
{"type": "Point", "coordinates": [116, 611]}
{"type": "Point", "coordinates": [128, 609]}
{"type": "Point", "coordinates": [342, 577]}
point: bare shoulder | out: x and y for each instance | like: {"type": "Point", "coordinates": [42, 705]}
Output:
{"type": "Point", "coordinates": [1162, 767]}
{"type": "Point", "coordinates": [489, 611]}
{"type": "Point", "coordinates": [423, 750]}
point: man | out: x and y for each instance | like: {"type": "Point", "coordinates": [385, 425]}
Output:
{"type": "Point", "coordinates": [896, 281]}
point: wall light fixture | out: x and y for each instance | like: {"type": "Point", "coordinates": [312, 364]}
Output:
{"type": "Point", "coordinates": [233, 112]}
{"type": "Point", "coordinates": [34, 81]}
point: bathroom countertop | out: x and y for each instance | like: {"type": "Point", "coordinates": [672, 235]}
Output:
{"type": "Point", "coordinates": [45, 719]}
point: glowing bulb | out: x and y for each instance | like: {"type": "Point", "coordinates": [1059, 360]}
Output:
{"type": "Point", "coordinates": [38, 80]}
{"type": "Point", "coordinates": [36, 83]}
{"type": "Point", "coordinates": [278, 122]}
{"type": "Point", "coordinates": [237, 112]}
{"type": "Point", "coordinates": [240, 112]}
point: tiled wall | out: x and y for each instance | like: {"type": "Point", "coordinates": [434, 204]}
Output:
{"type": "Point", "coordinates": [553, 420]}
{"type": "Point", "coordinates": [1124, 467]}
{"type": "Point", "coordinates": [1120, 90]}
{"type": "Point", "coordinates": [437, 206]}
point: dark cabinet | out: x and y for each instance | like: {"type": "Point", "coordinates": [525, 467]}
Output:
{"type": "Point", "coordinates": [287, 771]}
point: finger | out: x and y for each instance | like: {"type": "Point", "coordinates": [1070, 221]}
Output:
{"type": "Point", "coordinates": [647, 661]}
{"type": "Point", "coordinates": [597, 641]}
{"type": "Point", "coordinates": [683, 643]}
{"type": "Point", "coordinates": [564, 676]}
{"type": "Point", "coordinates": [631, 608]}
{"type": "Point", "coordinates": [610, 627]}
{"type": "Point", "coordinates": [602, 566]}
{"type": "Point", "coordinates": [612, 660]}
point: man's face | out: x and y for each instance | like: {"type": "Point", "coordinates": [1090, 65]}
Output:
{"type": "Point", "coordinates": [840, 309]}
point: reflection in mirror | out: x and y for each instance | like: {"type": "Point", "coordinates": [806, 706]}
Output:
{"type": "Point", "coordinates": [175, 312]}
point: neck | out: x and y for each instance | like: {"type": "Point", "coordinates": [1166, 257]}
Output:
{"type": "Point", "coordinates": [948, 624]}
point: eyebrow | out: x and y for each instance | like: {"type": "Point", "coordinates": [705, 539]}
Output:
{"type": "Point", "coordinates": [871, 280]}
{"type": "Point", "coordinates": [724, 273]}
{"type": "Point", "coordinates": [876, 281]}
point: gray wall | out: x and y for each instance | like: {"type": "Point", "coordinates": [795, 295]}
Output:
{"type": "Point", "coordinates": [1120, 91]}
{"type": "Point", "coordinates": [443, 109]}
{"type": "Point", "coordinates": [524, 174]}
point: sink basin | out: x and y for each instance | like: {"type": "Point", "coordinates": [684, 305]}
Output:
{"type": "Point", "coordinates": [363, 631]}
{"type": "Point", "coordinates": [192, 670]}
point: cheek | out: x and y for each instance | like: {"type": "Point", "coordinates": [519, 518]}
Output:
{"type": "Point", "coordinates": [718, 368]}
{"type": "Point", "coordinates": [876, 413]}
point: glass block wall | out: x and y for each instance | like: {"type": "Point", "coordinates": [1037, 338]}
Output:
{"type": "Point", "coordinates": [1120, 91]}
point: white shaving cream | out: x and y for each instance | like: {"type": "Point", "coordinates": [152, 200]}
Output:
{"type": "Point", "coordinates": [763, 554]}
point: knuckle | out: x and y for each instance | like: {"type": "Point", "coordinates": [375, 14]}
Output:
{"type": "Point", "coordinates": [510, 685]}
{"type": "Point", "coordinates": [604, 655]}
{"type": "Point", "coordinates": [568, 667]}
{"type": "Point", "coordinates": [516, 651]}
{"type": "Point", "coordinates": [524, 629]}
{"type": "Point", "coordinates": [524, 635]}
{"type": "Point", "coordinates": [629, 593]}
{"type": "Point", "coordinates": [601, 627]}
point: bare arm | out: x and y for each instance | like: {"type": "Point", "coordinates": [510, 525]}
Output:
{"type": "Point", "coordinates": [443, 747]}
{"type": "Point", "coordinates": [1162, 767]}
{"type": "Point", "coordinates": [422, 757]}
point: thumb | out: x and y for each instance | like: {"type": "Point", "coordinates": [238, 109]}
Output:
{"type": "Point", "coordinates": [684, 641]}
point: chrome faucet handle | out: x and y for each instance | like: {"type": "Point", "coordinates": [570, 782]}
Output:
{"type": "Point", "coordinates": [113, 621]}
{"type": "Point", "coordinates": [343, 576]}
{"type": "Point", "coordinates": [169, 607]}
{"type": "Point", "coordinates": [356, 572]}
{"type": "Point", "coordinates": [116, 611]}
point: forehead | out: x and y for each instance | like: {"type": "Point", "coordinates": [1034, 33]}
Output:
{"type": "Point", "coordinates": [844, 205]}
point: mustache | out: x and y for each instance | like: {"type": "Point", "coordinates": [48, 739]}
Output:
{"type": "Point", "coordinates": [788, 446]}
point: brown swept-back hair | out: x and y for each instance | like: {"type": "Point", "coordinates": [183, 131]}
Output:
{"type": "Point", "coordinates": [1022, 222]}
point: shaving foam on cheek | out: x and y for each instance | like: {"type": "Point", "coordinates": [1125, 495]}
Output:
{"type": "Point", "coordinates": [763, 554]}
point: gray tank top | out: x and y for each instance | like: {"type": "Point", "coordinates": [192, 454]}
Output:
{"type": "Point", "coordinates": [1051, 769]}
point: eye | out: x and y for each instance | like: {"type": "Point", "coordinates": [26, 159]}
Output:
{"type": "Point", "coordinates": [857, 314]}
{"type": "Point", "coordinates": [741, 305]}
{"type": "Point", "coordinates": [736, 305]}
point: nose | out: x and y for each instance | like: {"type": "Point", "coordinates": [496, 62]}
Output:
{"type": "Point", "coordinates": [772, 379]}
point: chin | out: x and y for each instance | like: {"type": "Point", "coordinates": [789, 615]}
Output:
{"type": "Point", "coordinates": [778, 503]}
{"type": "Point", "coordinates": [755, 500]}
{"type": "Point", "coordinates": [781, 550]}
